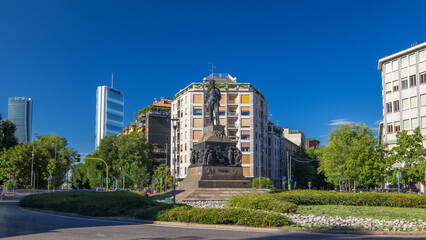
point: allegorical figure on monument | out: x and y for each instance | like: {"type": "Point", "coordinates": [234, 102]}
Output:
{"type": "Point", "coordinates": [212, 97]}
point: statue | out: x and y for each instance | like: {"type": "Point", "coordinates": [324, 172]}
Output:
{"type": "Point", "coordinates": [212, 97]}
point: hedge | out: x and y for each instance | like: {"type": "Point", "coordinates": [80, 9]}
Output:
{"type": "Point", "coordinates": [261, 201]}
{"type": "Point", "coordinates": [314, 197]}
{"type": "Point", "coordinates": [134, 204]}
{"type": "Point", "coordinates": [238, 216]}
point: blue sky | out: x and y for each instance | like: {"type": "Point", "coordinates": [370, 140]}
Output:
{"type": "Point", "coordinates": [315, 61]}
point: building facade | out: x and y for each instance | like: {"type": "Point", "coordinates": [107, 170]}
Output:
{"type": "Point", "coordinates": [243, 112]}
{"type": "Point", "coordinates": [20, 112]}
{"type": "Point", "coordinates": [312, 143]}
{"type": "Point", "coordinates": [154, 122]}
{"type": "Point", "coordinates": [109, 112]}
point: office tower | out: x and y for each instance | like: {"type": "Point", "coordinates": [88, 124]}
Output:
{"type": "Point", "coordinates": [109, 112]}
{"type": "Point", "coordinates": [20, 112]}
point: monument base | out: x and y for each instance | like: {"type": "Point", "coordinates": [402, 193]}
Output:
{"type": "Point", "coordinates": [215, 177]}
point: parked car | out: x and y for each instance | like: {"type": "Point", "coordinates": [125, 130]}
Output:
{"type": "Point", "coordinates": [100, 189]}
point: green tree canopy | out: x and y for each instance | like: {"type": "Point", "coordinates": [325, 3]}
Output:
{"type": "Point", "coordinates": [351, 155]}
{"type": "Point", "coordinates": [128, 155]}
{"type": "Point", "coordinates": [266, 183]}
{"type": "Point", "coordinates": [410, 153]}
{"type": "Point", "coordinates": [7, 135]}
{"type": "Point", "coordinates": [50, 153]}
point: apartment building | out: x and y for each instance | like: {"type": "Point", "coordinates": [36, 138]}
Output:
{"type": "Point", "coordinates": [243, 111]}
{"type": "Point", "coordinates": [404, 92]}
{"type": "Point", "coordinates": [275, 163]}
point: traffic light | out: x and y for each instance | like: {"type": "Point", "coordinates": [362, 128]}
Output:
{"type": "Point", "coordinates": [77, 158]}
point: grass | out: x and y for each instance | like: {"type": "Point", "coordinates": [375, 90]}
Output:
{"type": "Point", "coordinates": [380, 213]}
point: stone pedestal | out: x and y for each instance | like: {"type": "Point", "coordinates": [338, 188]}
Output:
{"type": "Point", "coordinates": [215, 172]}
{"type": "Point", "coordinates": [215, 177]}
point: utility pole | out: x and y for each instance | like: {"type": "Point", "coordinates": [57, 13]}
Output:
{"type": "Point", "coordinates": [165, 170]}
{"type": "Point", "coordinates": [32, 167]}
{"type": "Point", "coordinates": [174, 160]}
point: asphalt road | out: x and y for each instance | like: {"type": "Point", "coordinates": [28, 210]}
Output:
{"type": "Point", "coordinates": [17, 223]}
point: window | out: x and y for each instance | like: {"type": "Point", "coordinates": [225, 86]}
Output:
{"type": "Point", "coordinates": [406, 125]}
{"type": "Point", "coordinates": [404, 82]}
{"type": "Point", "coordinates": [232, 99]}
{"type": "Point", "coordinates": [395, 85]}
{"type": "Point", "coordinates": [397, 127]}
{"type": "Point", "coordinates": [414, 123]}
{"type": "Point", "coordinates": [388, 87]}
{"type": "Point", "coordinates": [198, 111]}
{"type": "Point", "coordinates": [423, 99]}
{"type": "Point", "coordinates": [422, 55]}
{"type": "Point", "coordinates": [186, 111]}
{"type": "Point", "coordinates": [396, 106]}
{"type": "Point", "coordinates": [394, 65]}
{"type": "Point", "coordinates": [232, 111]}
{"type": "Point", "coordinates": [423, 122]}
{"type": "Point", "coordinates": [245, 111]}
{"type": "Point", "coordinates": [245, 147]}
{"type": "Point", "coordinates": [404, 62]}
{"type": "Point", "coordinates": [388, 107]}
{"type": "Point", "coordinates": [412, 59]}
{"type": "Point", "coordinates": [245, 134]}
{"type": "Point", "coordinates": [390, 128]}
{"type": "Point", "coordinates": [413, 80]}
{"type": "Point", "coordinates": [185, 160]}
{"type": "Point", "coordinates": [413, 101]}
{"type": "Point", "coordinates": [245, 122]}
{"type": "Point", "coordinates": [245, 99]}
{"type": "Point", "coordinates": [388, 67]}
{"type": "Point", "coordinates": [423, 77]}
{"type": "Point", "coordinates": [405, 104]}
{"type": "Point", "coordinates": [197, 98]}
{"type": "Point", "coordinates": [185, 148]}
{"type": "Point", "coordinates": [245, 159]}
{"type": "Point", "coordinates": [222, 111]}
{"type": "Point", "coordinates": [197, 122]}
{"type": "Point", "coordinates": [232, 122]}
{"type": "Point", "coordinates": [197, 134]}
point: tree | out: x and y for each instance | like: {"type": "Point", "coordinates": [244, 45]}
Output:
{"type": "Point", "coordinates": [79, 178]}
{"type": "Point", "coordinates": [410, 153]}
{"type": "Point", "coordinates": [266, 183]}
{"type": "Point", "coordinates": [17, 160]}
{"type": "Point", "coordinates": [304, 170]}
{"type": "Point", "coordinates": [7, 135]}
{"type": "Point", "coordinates": [350, 155]}
{"type": "Point", "coordinates": [159, 174]}
{"type": "Point", "coordinates": [128, 155]}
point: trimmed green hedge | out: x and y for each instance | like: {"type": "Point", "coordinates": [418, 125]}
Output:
{"type": "Point", "coordinates": [223, 216]}
{"type": "Point", "coordinates": [90, 203]}
{"type": "Point", "coordinates": [261, 201]}
{"type": "Point", "coordinates": [139, 205]}
{"type": "Point", "coordinates": [314, 197]}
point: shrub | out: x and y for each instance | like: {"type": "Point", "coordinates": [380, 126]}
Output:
{"type": "Point", "coordinates": [266, 183]}
{"type": "Point", "coordinates": [261, 201]}
{"type": "Point", "coordinates": [313, 197]}
{"type": "Point", "coordinates": [223, 216]}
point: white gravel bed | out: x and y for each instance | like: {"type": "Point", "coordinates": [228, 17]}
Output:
{"type": "Point", "coordinates": [357, 223]}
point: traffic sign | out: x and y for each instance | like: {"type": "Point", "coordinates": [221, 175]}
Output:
{"type": "Point", "coordinates": [398, 174]}
{"type": "Point", "coordinates": [50, 172]}
{"type": "Point", "coordinates": [309, 184]}
{"type": "Point", "coordinates": [11, 176]}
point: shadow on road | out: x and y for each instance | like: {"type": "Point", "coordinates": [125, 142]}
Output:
{"type": "Point", "coordinates": [15, 221]}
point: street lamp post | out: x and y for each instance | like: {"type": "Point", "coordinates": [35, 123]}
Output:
{"type": "Point", "coordinates": [174, 159]}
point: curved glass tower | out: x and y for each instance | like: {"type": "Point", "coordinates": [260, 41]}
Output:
{"type": "Point", "coordinates": [20, 112]}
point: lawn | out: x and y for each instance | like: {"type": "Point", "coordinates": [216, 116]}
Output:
{"type": "Point", "coordinates": [381, 213]}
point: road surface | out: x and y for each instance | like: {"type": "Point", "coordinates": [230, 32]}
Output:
{"type": "Point", "coordinates": [17, 223]}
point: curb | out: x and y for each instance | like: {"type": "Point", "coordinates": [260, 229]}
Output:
{"type": "Point", "coordinates": [234, 227]}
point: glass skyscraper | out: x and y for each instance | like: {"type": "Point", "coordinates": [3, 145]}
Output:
{"type": "Point", "coordinates": [20, 112]}
{"type": "Point", "coordinates": [109, 112]}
